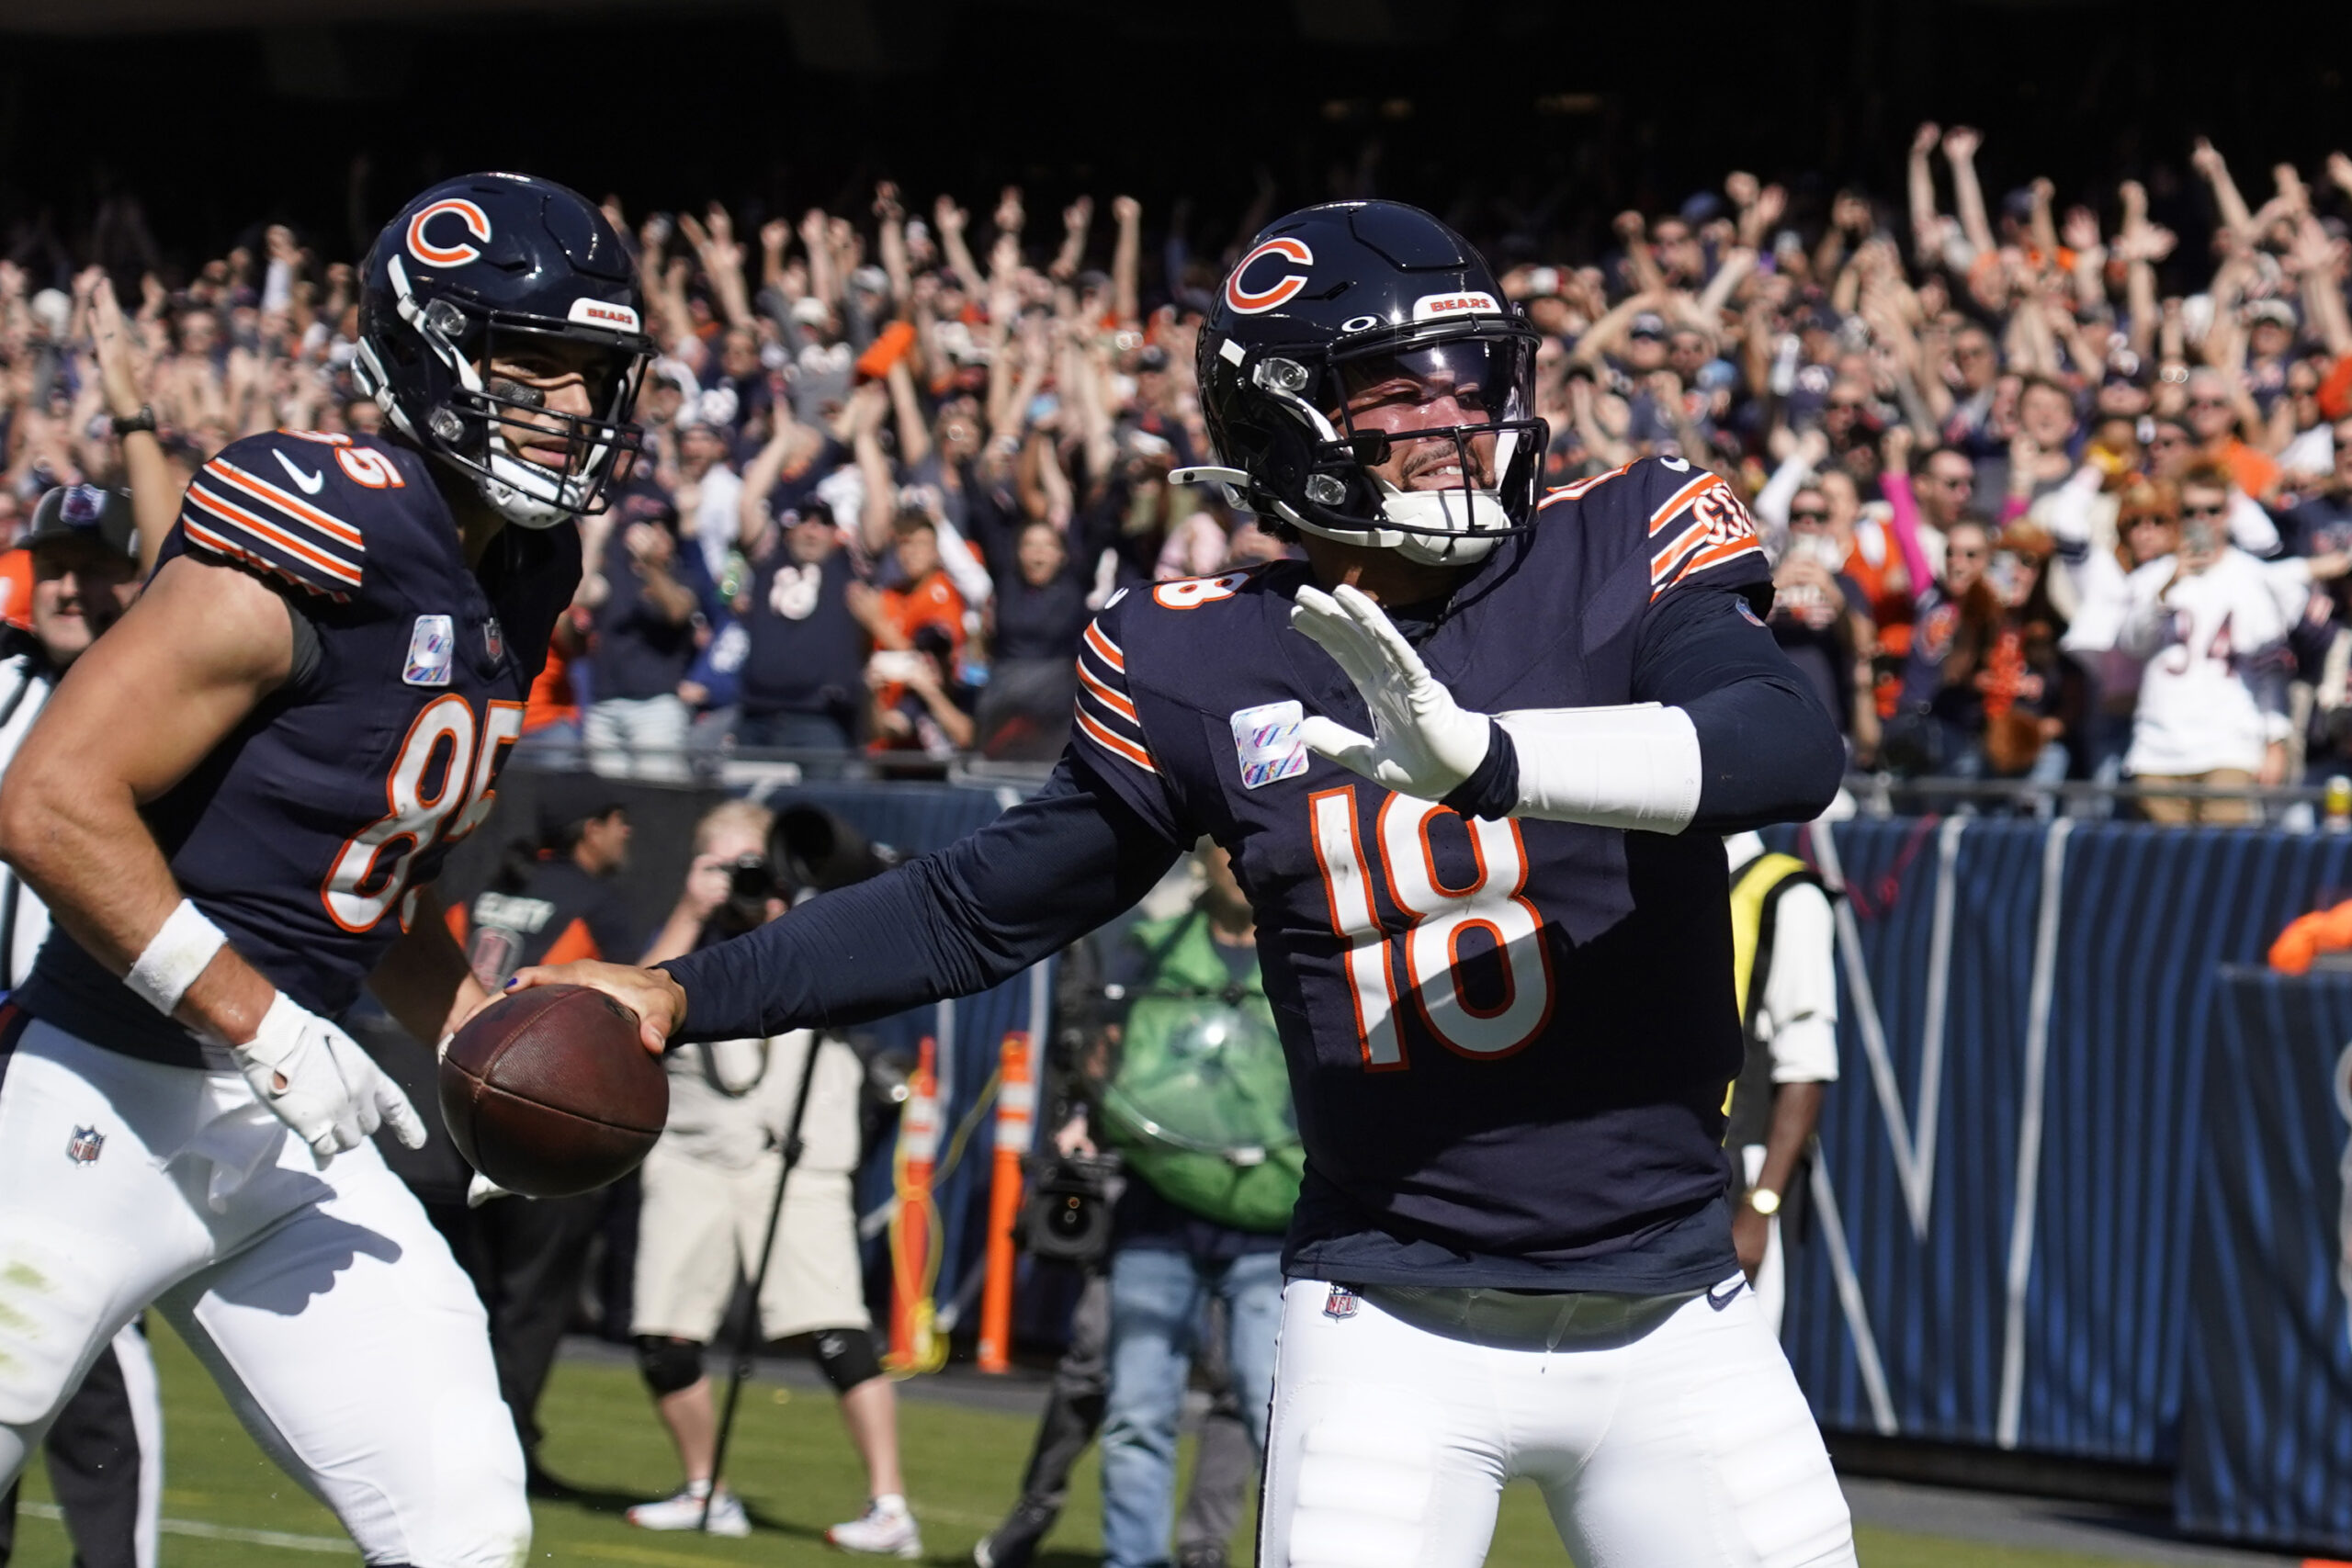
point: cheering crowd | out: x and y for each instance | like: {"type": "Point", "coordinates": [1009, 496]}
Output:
{"type": "Point", "coordinates": [2054, 491]}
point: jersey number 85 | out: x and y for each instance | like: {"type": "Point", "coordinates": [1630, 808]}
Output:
{"type": "Point", "coordinates": [444, 744]}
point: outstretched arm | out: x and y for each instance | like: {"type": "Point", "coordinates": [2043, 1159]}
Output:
{"type": "Point", "coordinates": [969, 916]}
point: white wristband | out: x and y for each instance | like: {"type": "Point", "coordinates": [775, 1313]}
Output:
{"type": "Point", "coordinates": [1615, 767]}
{"type": "Point", "coordinates": [175, 955]}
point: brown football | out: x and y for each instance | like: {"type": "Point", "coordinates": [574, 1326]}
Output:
{"type": "Point", "coordinates": [549, 1092]}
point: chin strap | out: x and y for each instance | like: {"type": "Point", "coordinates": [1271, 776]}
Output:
{"type": "Point", "coordinates": [1632, 767]}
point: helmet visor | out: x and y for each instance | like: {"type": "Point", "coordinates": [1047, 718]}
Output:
{"type": "Point", "coordinates": [1433, 409]}
{"type": "Point", "coordinates": [553, 411]}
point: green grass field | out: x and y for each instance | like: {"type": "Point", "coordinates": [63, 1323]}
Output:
{"type": "Point", "coordinates": [226, 1507]}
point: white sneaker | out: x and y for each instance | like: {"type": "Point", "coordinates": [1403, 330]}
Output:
{"type": "Point", "coordinates": [885, 1529]}
{"type": "Point", "coordinates": [684, 1512]}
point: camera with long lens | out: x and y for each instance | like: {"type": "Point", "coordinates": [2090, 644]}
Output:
{"type": "Point", "coordinates": [751, 882]}
{"type": "Point", "coordinates": [821, 850]}
{"type": "Point", "coordinates": [810, 850]}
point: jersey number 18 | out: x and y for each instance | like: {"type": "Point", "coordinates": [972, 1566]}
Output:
{"type": "Point", "coordinates": [1426, 952]}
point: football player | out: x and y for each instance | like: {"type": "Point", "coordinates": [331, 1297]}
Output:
{"type": "Point", "coordinates": [1470, 759]}
{"type": "Point", "coordinates": [234, 805]}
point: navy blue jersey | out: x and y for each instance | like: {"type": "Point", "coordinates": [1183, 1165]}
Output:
{"type": "Point", "coordinates": [1508, 1040]}
{"type": "Point", "coordinates": [302, 834]}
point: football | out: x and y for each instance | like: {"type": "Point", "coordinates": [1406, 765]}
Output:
{"type": "Point", "coordinates": [550, 1093]}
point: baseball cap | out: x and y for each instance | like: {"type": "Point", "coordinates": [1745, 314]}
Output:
{"type": "Point", "coordinates": [566, 800]}
{"type": "Point", "coordinates": [1648, 323]}
{"type": "Point", "coordinates": [1153, 357]}
{"type": "Point", "coordinates": [809, 311]}
{"type": "Point", "coordinates": [85, 512]}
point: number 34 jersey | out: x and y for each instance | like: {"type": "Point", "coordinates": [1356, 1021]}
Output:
{"type": "Point", "coordinates": [303, 833]}
{"type": "Point", "coordinates": [1508, 1040]}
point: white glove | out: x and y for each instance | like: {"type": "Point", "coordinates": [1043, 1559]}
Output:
{"type": "Point", "coordinates": [317, 1080]}
{"type": "Point", "coordinates": [1424, 744]}
{"type": "Point", "coordinates": [481, 1189]}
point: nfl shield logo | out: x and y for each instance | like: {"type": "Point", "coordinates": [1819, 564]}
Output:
{"type": "Point", "coordinates": [1340, 1303]}
{"type": "Point", "coordinates": [83, 1146]}
{"type": "Point", "coordinates": [494, 637]}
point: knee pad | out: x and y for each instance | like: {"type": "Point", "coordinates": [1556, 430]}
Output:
{"type": "Point", "coordinates": [846, 1357]}
{"type": "Point", "coordinates": [669, 1365]}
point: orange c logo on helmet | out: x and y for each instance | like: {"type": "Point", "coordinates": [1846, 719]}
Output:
{"type": "Point", "coordinates": [476, 223]}
{"type": "Point", "coordinates": [1289, 284]}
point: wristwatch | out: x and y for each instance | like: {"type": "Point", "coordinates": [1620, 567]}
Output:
{"type": "Point", "coordinates": [1764, 1200]}
{"type": "Point", "coordinates": [143, 420]}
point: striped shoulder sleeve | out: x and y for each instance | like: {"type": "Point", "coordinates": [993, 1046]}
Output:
{"type": "Point", "coordinates": [262, 502]}
{"type": "Point", "coordinates": [1108, 731]}
{"type": "Point", "coordinates": [1107, 720]}
{"type": "Point", "coordinates": [1698, 532]}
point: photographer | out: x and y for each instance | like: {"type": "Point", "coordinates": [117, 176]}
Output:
{"type": "Point", "coordinates": [1190, 1088]}
{"type": "Point", "coordinates": [708, 1188]}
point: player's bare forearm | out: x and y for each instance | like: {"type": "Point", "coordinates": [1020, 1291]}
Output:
{"type": "Point", "coordinates": [1796, 1114]}
{"type": "Point", "coordinates": [174, 677]}
{"type": "Point", "coordinates": [424, 980]}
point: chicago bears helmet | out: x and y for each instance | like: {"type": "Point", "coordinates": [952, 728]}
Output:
{"type": "Point", "coordinates": [497, 264]}
{"type": "Point", "coordinates": [1342, 324]}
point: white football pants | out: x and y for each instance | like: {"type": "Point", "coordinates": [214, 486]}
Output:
{"type": "Point", "coordinates": [1665, 1432]}
{"type": "Point", "coordinates": [326, 1306]}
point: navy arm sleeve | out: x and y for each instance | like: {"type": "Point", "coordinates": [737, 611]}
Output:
{"type": "Point", "coordinates": [1768, 751]}
{"type": "Point", "coordinates": [969, 916]}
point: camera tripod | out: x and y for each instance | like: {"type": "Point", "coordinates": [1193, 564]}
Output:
{"type": "Point", "coordinates": [747, 1338]}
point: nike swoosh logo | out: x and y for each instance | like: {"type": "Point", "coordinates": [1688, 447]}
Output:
{"type": "Point", "coordinates": [310, 483]}
{"type": "Point", "coordinates": [1730, 1294]}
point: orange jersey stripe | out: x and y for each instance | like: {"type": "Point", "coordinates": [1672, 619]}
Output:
{"type": "Point", "coordinates": [1113, 744]}
{"type": "Point", "coordinates": [230, 547]}
{"type": "Point", "coordinates": [1680, 499]}
{"type": "Point", "coordinates": [286, 501]}
{"type": "Point", "coordinates": [1103, 647]}
{"type": "Point", "coordinates": [228, 512]}
{"type": "Point", "coordinates": [1663, 564]}
{"type": "Point", "coordinates": [1106, 696]}
{"type": "Point", "coordinates": [1716, 556]}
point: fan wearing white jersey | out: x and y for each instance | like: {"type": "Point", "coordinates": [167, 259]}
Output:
{"type": "Point", "coordinates": [2212, 711]}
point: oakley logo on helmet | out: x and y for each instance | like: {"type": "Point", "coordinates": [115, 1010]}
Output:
{"type": "Point", "coordinates": [476, 223]}
{"type": "Point", "coordinates": [1287, 286]}
{"type": "Point", "coordinates": [1431, 306]}
{"type": "Point", "coordinates": [596, 313]}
